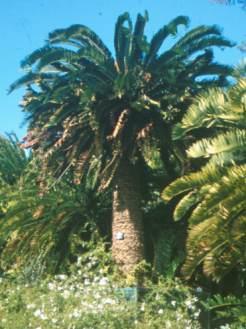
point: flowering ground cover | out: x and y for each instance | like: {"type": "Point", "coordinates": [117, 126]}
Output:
{"type": "Point", "coordinates": [90, 298]}
{"type": "Point", "coordinates": [79, 302]}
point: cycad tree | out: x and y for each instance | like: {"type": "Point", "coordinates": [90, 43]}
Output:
{"type": "Point", "coordinates": [92, 111]}
{"type": "Point", "coordinates": [44, 233]}
{"type": "Point", "coordinates": [214, 196]}
{"type": "Point", "coordinates": [13, 160]}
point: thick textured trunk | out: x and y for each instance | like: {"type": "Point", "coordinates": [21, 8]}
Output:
{"type": "Point", "coordinates": [127, 225]}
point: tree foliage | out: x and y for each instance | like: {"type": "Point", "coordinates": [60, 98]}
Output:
{"type": "Point", "coordinates": [88, 109]}
{"type": "Point", "coordinates": [214, 196]}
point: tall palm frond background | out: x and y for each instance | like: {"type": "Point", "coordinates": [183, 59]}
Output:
{"type": "Point", "coordinates": [214, 196]}
{"type": "Point", "coordinates": [46, 233]}
{"type": "Point", "coordinates": [42, 231]}
{"type": "Point", "coordinates": [13, 160]}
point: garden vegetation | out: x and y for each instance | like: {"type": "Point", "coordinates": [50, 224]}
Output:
{"type": "Point", "coordinates": [128, 210]}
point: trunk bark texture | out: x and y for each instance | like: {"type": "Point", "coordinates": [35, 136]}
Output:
{"type": "Point", "coordinates": [127, 225]}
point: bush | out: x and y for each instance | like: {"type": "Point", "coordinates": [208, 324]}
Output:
{"type": "Point", "coordinates": [89, 298]}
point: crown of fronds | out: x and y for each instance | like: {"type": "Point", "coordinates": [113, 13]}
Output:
{"type": "Point", "coordinates": [87, 108]}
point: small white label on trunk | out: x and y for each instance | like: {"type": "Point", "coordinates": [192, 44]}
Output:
{"type": "Point", "coordinates": [119, 236]}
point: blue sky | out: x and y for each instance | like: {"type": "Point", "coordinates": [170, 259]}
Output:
{"type": "Point", "coordinates": [25, 24]}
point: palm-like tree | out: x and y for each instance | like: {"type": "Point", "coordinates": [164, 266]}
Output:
{"type": "Point", "coordinates": [42, 232]}
{"type": "Point", "coordinates": [13, 160]}
{"type": "Point", "coordinates": [214, 196]}
{"type": "Point", "coordinates": [92, 111]}
{"type": "Point", "coordinates": [45, 233]}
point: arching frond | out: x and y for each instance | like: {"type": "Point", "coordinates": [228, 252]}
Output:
{"type": "Point", "coordinates": [13, 160]}
{"type": "Point", "coordinates": [215, 195]}
{"type": "Point", "coordinates": [232, 141]}
{"type": "Point", "coordinates": [139, 43]}
{"type": "Point", "coordinates": [83, 37]}
{"type": "Point", "coordinates": [162, 34]}
{"type": "Point", "coordinates": [123, 41]}
{"type": "Point", "coordinates": [208, 174]}
{"type": "Point", "coordinates": [31, 78]}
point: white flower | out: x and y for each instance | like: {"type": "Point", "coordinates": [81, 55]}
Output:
{"type": "Point", "coordinates": [43, 316]}
{"type": "Point", "coordinates": [96, 279]}
{"type": "Point", "coordinates": [188, 303]}
{"type": "Point", "coordinates": [51, 286]}
{"type": "Point", "coordinates": [179, 316]}
{"type": "Point", "coordinates": [66, 294]}
{"type": "Point", "coordinates": [173, 302]}
{"type": "Point", "coordinates": [109, 301]}
{"type": "Point", "coordinates": [76, 313]}
{"type": "Point", "coordinates": [142, 307]}
{"type": "Point", "coordinates": [59, 288]}
{"type": "Point", "coordinates": [199, 289]}
{"type": "Point", "coordinates": [86, 282]}
{"type": "Point", "coordinates": [40, 314]}
{"type": "Point", "coordinates": [103, 281]}
{"type": "Point", "coordinates": [29, 306]}
{"type": "Point", "coordinates": [37, 313]}
{"type": "Point", "coordinates": [160, 311]}
{"type": "Point", "coordinates": [226, 326]}
{"type": "Point", "coordinates": [61, 276]}
{"type": "Point", "coordinates": [168, 324]}
{"type": "Point", "coordinates": [196, 314]}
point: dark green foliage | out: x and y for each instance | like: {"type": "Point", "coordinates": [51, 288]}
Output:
{"type": "Point", "coordinates": [87, 109]}
{"type": "Point", "coordinates": [43, 231]}
{"type": "Point", "coordinates": [13, 160]}
{"type": "Point", "coordinates": [82, 103]}
{"type": "Point", "coordinates": [230, 310]}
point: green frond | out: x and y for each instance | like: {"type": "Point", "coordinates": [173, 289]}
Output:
{"type": "Point", "coordinates": [91, 67]}
{"type": "Point", "coordinates": [194, 41]}
{"type": "Point", "coordinates": [13, 160]}
{"type": "Point", "coordinates": [35, 56]}
{"type": "Point", "coordinates": [208, 175]}
{"type": "Point", "coordinates": [203, 113]}
{"type": "Point", "coordinates": [215, 108]}
{"type": "Point", "coordinates": [198, 33]}
{"type": "Point", "coordinates": [215, 69]}
{"type": "Point", "coordinates": [31, 78]}
{"type": "Point", "coordinates": [197, 246]}
{"type": "Point", "coordinates": [231, 141]}
{"type": "Point", "coordinates": [162, 34]}
{"type": "Point", "coordinates": [123, 41]}
{"type": "Point", "coordinates": [186, 203]}
{"type": "Point", "coordinates": [208, 42]}
{"type": "Point", "coordinates": [80, 36]}
{"type": "Point", "coordinates": [54, 55]}
{"type": "Point", "coordinates": [138, 41]}
{"type": "Point", "coordinates": [227, 194]}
